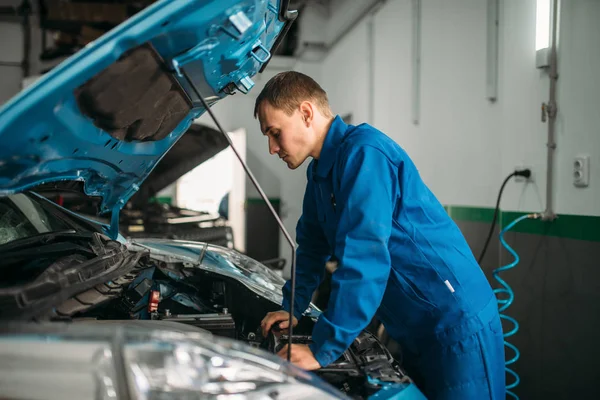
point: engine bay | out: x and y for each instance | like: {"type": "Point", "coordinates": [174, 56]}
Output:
{"type": "Point", "coordinates": [180, 292]}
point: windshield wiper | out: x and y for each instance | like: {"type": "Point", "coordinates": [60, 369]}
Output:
{"type": "Point", "coordinates": [44, 238]}
{"type": "Point", "coordinates": [63, 277]}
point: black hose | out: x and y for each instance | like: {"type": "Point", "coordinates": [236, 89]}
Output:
{"type": "Point", "coordinates": [491, 232]}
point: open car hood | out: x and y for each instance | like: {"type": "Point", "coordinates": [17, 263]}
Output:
{"type": "Point", "coordinates": [107, 115]}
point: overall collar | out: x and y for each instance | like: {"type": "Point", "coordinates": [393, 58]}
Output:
{"type": "Point", "coordinates": [334, 137]}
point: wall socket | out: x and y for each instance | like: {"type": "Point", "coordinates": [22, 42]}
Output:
{"type": "Point", "coordinates": [522, 178]}
{"type": "Point", "coordinates": [581, 171]}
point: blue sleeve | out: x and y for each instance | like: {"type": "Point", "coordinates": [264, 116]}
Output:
{"type": "Point", "coordinates": [369, 186]}
{"type": "Point", "coordinates": [311, 254]}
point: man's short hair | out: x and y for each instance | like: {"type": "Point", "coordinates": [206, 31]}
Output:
{"type": "Point", "coordinates": [287, 90]}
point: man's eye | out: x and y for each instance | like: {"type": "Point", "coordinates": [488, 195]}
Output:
{"type": "Point", "coordinates": [276, 135]}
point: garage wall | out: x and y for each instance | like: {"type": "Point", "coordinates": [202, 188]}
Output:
{"type": "Point", "coordinates": [579, 101]}
{"type": "Point", "coordinates": [464, 144]}
{"type": "Point", "coordinates": [455, 142]}
{"type": "Point", "coordinates": [345, 75]}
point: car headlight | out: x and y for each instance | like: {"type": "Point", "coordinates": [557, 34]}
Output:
{"type": "Point", "coordinates": [95, 361]}
{"type": "Point", "coordinates": [170, 363]}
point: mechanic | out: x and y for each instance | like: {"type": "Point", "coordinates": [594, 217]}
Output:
{"type": "Point", "coordinates": [400, 256]}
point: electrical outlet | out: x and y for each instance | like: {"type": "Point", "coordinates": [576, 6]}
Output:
{"type": "Point", "coordinates": [522, 178]}
{"type": "Point", "coordinates": [581, 171]}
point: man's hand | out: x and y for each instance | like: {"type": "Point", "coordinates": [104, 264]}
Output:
{"type": "Point", "coordinates": [282, 317]}
{"type": "Point", "coordinates": [301, 356]}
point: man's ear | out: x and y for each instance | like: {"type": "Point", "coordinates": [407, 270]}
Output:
{"type": "Point", "coordinates": [307, 112]}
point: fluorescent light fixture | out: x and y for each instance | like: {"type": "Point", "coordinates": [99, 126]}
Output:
{"type": "Point", "coordinates": [542, 24]}
{"type": "Point", "coordinates": [542, 33]}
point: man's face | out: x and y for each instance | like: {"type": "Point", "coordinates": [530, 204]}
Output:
{"type": "Point", "coordinates": [288, 135]}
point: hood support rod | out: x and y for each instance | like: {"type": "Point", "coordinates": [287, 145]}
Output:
{"type": "Point", "coordinates": [265, 198]}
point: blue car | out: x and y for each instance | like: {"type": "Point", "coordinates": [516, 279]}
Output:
{"type": "Point", "coordinates": [88, 314]}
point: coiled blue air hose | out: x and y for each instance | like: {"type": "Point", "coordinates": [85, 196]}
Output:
{"type": "Point", "coordinates": [504, 303]}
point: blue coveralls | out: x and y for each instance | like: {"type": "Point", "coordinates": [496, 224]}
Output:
{"type": "Point", "coordinates": [401, 258]}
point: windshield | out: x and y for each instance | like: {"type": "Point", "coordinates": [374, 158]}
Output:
{"type": "Point", "coordinates": [23, 216]}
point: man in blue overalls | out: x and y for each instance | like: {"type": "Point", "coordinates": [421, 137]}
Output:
{"type": "Point", "coordinates": [401, 258]}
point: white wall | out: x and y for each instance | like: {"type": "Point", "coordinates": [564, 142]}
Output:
{"type": "Point", "coordinates": [464, 145]}
{"type": "Point", "coordinates": [345, 75]}
{"type": "Point", "coordinates": [578, 126]}
{"type": "Point", "coordinates": [522, 90]}
{"type": "Point", "coordinates": [344, 13]}
{"type": "Point", "coordinates": [454, 137]}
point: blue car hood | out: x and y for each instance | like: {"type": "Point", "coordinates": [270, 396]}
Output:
{"type": "Point", "coordinates": [108, 114]}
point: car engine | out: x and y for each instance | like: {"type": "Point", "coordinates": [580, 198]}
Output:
{"type": "Point", "coordinates": [180, 292]}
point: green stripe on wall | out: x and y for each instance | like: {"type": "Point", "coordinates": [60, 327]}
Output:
{"type": "Point", "coordinates": [473, 214]}
{"type": "Point", "coordinates": [161, 199]}
{"type": "Point", "coordinates": [580, 227]}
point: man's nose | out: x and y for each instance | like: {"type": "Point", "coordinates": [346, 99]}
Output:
{"type": "Point", "coordinates": [273, 147]}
